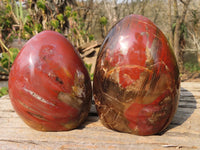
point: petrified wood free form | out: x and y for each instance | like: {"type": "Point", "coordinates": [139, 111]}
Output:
{"type": "Point", "coordinates": [136, 80]}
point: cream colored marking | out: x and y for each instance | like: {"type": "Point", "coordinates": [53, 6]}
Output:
{"type": "Point", "coordinates": [78, 90]}
{"type": "Point", "coordinates": [66, 98]}
{"type": "Point", "coordinates": [68, 73]}
{"type": "Point", "coordinates": [38, 97]}
{"type": "Point", "coordinates": [25, 105]}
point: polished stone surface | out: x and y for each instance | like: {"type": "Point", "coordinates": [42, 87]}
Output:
{"type": "Point", "coordinates": [136, 80]}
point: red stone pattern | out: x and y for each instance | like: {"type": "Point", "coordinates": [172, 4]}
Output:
{"type": "Point", "coordinates": [49, 86]}
{"type": "Point", "coordinates": [136, 80]}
